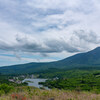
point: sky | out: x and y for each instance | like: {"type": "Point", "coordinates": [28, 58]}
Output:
{"type": "Point", "coordinates": [47, 30]}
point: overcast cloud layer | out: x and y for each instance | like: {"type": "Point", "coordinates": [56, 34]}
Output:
{"type": "Point", "coordinates": [47, 30]}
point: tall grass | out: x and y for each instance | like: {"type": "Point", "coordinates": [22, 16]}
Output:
{"type": "Point", "coordinates": [31, 93]}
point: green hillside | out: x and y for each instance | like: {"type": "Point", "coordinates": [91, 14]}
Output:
{"type": "Point", "coordinates": [88, 60]}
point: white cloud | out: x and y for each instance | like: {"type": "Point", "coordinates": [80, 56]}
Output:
{"type": "Point", "coordinates": [49, 27]}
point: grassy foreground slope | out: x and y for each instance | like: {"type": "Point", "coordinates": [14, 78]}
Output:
{"type": "Point", "coordinates": [31, 93]}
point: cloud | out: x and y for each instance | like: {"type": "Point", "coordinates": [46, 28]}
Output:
{"type": "Point", "coordinates": [17, 55]}
{"type": "Point", "coordinates": [49, 27]}
{"type": "Point", "coordinates": [29, 44]}
{"type": "Point", "coordinates": [8, 60]}
{"type": "Point", "coordinates": [90, 36]}
{"type": "Point", "coordinates": [59, 46]}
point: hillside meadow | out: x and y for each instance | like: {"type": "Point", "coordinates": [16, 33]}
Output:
{"type": "Point", "coordinates": [32, 93]}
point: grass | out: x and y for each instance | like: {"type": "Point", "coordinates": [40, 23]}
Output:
{"type": "Point", "coordinates": [31, 93]}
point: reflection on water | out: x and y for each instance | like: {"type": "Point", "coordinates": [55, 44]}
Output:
{"type": "Point", "coordinates": [35, 82]}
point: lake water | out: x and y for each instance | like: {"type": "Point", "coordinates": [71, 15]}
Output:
{"type": "Point", "coordinates": [35, 82]}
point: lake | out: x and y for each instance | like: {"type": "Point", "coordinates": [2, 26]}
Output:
{"type": "Point", "coordinates": [35, 82]}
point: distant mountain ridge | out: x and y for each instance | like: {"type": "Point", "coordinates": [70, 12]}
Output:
{"type": "Point", "coordinates": [87, 60]}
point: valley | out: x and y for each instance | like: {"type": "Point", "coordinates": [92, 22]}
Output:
{"type": "Point", "coordinates": [43, 81]}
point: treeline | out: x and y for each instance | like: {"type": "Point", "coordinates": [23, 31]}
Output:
{"type": "Point", "coordinates": [79, 80]}
{"type": "Point", "coordinates": [63, 73]}
{"type": "Point", "coordinates": [89, 82]}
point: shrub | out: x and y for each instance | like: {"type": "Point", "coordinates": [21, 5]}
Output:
{"type": "Point", "coordinates": [6, 88]}
{"type": "Point", "coordinates": [18, 97]}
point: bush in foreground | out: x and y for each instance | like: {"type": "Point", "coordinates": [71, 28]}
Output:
{"type": "Point", "coordinates": [5, 89]}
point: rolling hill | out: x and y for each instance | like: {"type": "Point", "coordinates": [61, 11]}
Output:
{"type": "Point", "coordinates": [87, 60]}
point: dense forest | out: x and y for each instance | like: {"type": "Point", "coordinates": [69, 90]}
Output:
{"type": "Point", "coordinates": [63, 73]}
{"type": "Point", "coordinates": [79, 80]}
{"type": "Point", "coordinates": [87, 83]}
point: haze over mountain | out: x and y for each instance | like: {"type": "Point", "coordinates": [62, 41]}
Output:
{"type": "Point", "coordinates": [86, 60]}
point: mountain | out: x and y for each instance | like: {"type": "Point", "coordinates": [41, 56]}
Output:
{"type": "Point", "coordinates": [85, 60]}
{"type": "Point", "coordinates": [89, 58]}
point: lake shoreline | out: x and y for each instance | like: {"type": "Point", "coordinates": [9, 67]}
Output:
{"type": "Point", "coordinates": [35, 82]}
